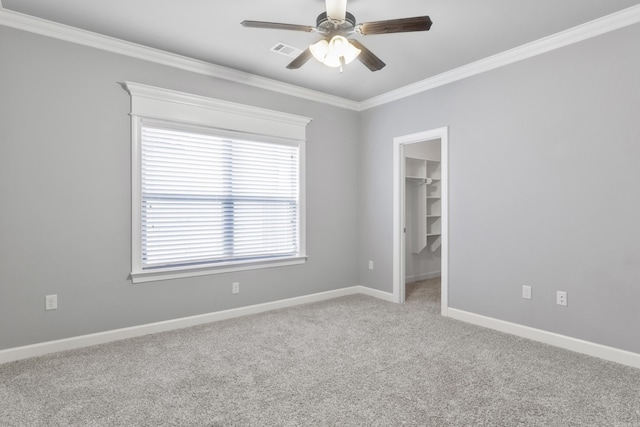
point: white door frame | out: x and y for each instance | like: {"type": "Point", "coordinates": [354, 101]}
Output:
{"type": "Point", "coordinates": [399, 212]}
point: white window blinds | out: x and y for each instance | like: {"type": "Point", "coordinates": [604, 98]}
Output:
{"type": "Point", "coordinates": [208, 199]}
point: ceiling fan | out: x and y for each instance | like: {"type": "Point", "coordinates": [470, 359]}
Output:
{"type": "Point", "coordinates": [336, 25]}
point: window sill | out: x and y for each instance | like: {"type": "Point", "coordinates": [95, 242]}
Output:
{"type": "Point", "coordinates": [183, 272]}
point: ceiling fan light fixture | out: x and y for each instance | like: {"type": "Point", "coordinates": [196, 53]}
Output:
{"type": "Point", "coordinates": [334, 53]}
{"type": "Point", "coordinates": [336, 23]}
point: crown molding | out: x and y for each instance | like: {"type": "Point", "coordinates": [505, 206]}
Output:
{"type": "Point", "coordinates": [55, 30]}
{"type": "Point", "coordinates": [573, 35]}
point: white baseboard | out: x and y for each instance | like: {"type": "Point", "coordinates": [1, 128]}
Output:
{"type": "Point", "coordinates": [40, 349]}
{"type": "Point", "coordinates": [418, 277]}
{"type": "Point", "coordinates": [385, 296]}
{"type": "Point", "coordinates": [568, 343]}
{"type": "Point", "coordinates": [580, 346]}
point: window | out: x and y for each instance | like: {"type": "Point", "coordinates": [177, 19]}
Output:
{"type": "Point", "coordinates": [208, 198]}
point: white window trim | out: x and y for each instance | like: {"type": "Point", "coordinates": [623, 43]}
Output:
{"type": "Point", "coordinates": [230, 118]}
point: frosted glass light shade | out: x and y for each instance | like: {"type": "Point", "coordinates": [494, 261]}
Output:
{"type": "Point", "coordinates": [319, 50]}
{"type": "Point", "coordinates": [334, 53]}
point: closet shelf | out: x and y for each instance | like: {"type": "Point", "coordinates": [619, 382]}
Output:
{"type": "Point", "coordinates": [420, 180]}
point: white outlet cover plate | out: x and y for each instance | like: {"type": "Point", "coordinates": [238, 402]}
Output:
{"type": "Point", "coordinates": [561, 298]}
{"type": "Point", "coordinates": [51, 302]}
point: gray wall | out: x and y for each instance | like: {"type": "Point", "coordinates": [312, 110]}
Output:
{"type": "Point", "coordinates": [66, 196]}
{"type": "Point", "coordinates": [544, 173]}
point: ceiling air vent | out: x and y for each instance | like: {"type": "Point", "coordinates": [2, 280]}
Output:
{"type": "Point", "coordinates": [286, 50]}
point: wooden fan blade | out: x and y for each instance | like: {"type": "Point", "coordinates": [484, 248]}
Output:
{"type": "Point", "coordinates": [404, 25]}
{"type": "Point", "coordinates": [300, 60]}
{"type": "Point", "coordinates": [367, 57]}
{"type": "Point", "coordinates": [277, 26]}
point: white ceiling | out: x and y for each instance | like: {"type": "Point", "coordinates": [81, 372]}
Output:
{"type": "Point", "coordinates": [463, 31]}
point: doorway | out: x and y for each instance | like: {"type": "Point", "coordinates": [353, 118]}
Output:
{"type": "Point", "coordinates": [433, 224]}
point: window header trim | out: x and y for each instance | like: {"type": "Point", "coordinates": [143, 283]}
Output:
{"type": "Point", "coordinates": [164, 104]}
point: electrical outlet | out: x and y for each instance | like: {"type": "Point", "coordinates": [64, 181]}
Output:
{"type": "Point", "coordinates": [51, 302]}
{"type": "Point", "coordinates": [561, 298]}
{"type": "Point", "coordinates": [235, 288]}
{"type": "Point", "coordinates": [370, 265]}
{"type": "Point", "coordinates": [526, 292]}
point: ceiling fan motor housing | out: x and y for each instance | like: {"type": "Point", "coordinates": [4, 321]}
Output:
{"type": "Point", "coordinates": [327, 26]}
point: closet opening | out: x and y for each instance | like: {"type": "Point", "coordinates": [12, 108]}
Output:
{"type": "Point", "coordinates": [420, 211]}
